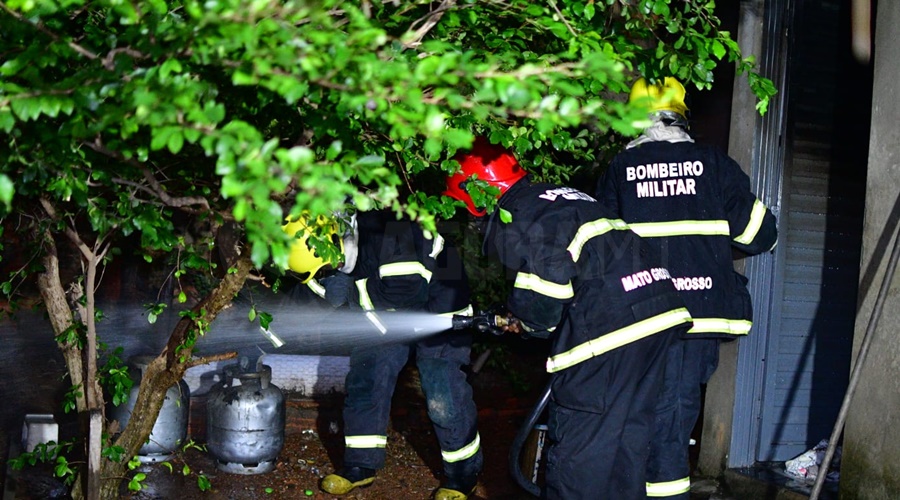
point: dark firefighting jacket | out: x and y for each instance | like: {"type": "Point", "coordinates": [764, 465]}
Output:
{"type": "Point", "coordinates": [581, 277]}
{"type": "Point", "coordinates": [694, 203]}
{"type": "Point", "coordinates": [400, 267]}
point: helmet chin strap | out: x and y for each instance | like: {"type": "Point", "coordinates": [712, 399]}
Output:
{"type": "Point", "coordinates": [351, 247]}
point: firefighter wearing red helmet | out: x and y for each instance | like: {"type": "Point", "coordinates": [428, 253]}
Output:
{"type": "Point", "coordinates": [608, 307]}
{"type": "Point", "coordinates": [485, 162]}
{"type": "Point", "coordinates": [693, 204]}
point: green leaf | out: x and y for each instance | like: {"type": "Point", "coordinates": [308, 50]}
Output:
{"type": "Point", "coordinates": [175, 142]}
{"type": "Point", "coordinates": [7, 120]}
{"type": "Point", "coordinates": [718, 49]}
{"type": "Point", "coordinates": [369, 161]}
{"type": "Point", "coordinates": [170, 66]}
{"type": "Point", "coordinates": [334, 149]}
{"type": "Point", "coordinates": [265, 319]}
{"type": "Point", "coordinates": [7, 190]}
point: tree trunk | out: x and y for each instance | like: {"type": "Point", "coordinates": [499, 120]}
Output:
{"type": "Point", "coordinates": [54, 297]}
{"type": "Point", "coordinates": [105, 476]}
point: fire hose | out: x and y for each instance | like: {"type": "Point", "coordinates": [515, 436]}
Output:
{"type": "Point", "coordinates": [488, 322]}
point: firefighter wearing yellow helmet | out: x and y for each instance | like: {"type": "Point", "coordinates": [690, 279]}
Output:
{"type": "Point", "coordinates": [692, 203]}
{"type": "Point", "coordinates": [303, 258]}
{"type": "Point", "coordinates": [392, 264]}
{"type": "Point", "coordinates": [667, 95]}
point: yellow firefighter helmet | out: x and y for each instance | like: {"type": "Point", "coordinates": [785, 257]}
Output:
{"type": "Point", "coordinates": [303, 259]}
{"type": "Point", "coordinates": [667, 95]}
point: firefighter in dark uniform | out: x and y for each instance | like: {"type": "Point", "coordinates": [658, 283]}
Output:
{"type": "Point", "coordinates": [610, 310]}
{"type": "Point", "coordinates": [694, 205]}
{"type": "Point", "coordinates": [392, 264]}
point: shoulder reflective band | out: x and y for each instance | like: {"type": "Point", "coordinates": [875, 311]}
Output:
{"type": "Point", "coordinates": [534, 283]}
{"type": "Point", "coordinates": [681, 228]}
{"type": "Point", "coordinates": [618, 338]}
{"type": "Point", "coordinates": [466, 311]}
{"type": "Point", "coordinates": [669, 488]}
{"type": "Point", "coordinates": [757, 215]}
{"type": "Point", "coordinates": [316, 287]}
{"type": "Point", "coordinates": [437, 244]}
{"type": "Point", "coordinates": [364, 300]}
{"type": "Point", "coordinates": [591, 230]}
{"type": "Point", "coordinates": [463, 453]}
{"type": "Point", "coordinates": [721, 325]}
{"type": "Point", "coordinates": [404, 269]}
{"type": "Point", "coordinates": [365, 441]}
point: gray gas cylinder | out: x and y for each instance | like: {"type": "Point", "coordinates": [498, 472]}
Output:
{"type": "Point", "coordinates": [245, 420]}
{"type": "Point", "coordinates": [170, 429]}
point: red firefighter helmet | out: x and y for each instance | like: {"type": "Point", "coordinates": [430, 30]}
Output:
{"type": "Point", "coordinates": [488, 162]}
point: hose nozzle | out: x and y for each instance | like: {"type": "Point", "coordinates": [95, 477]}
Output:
{"type": "Point", "coordinates": [483, 322]}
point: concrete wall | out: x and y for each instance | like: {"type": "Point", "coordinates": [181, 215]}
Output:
{"type": "Point", "coordinates": [870, 468]}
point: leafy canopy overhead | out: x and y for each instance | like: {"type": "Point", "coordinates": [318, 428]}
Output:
{"type": "Point", "coordinates": [129, 115]}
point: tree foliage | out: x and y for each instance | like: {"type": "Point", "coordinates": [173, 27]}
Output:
{"type": "Point", "coordinates": [245, 109]}
{"type": "Point", "coordinates": [162, 123]}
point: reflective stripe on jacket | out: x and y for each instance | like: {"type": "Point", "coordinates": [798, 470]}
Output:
{"type": "Point", "coordinates": [583, 275]}
{"type": "Point", "coordinates": [693, 203]}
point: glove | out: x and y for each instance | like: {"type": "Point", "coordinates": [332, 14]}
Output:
{"type": "Point", "coordinates": [337, 288]}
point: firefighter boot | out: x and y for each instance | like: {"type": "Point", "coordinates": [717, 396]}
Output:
{"type": "Point", "coordinates": [456, 488]}
{"type": "Point", "coordinates": [347, 479]}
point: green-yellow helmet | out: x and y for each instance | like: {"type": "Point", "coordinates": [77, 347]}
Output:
{"type": "Point", "coordinates": [667, 95]}
{"type": "Point", "coordinates": [303, 259]}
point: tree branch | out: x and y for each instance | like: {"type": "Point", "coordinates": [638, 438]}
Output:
{"type": "Point", "coordinates": [428, 21]}
{"type": "Point", "coordinates": [560, 14]}
{"type": "Point", "coordinates": [155, 188]}
{"type": "Point", "coordinates": [43, 29]}
{"type": "Point", "coordinates": [205, 360]}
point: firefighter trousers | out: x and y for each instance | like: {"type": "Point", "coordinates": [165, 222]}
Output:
{"type": "Point", "coordinates": [603, 456]}
{"type": "Point", "coordinates": [689, 364]}
{"type": "Point", "coordinates": [451, 408]}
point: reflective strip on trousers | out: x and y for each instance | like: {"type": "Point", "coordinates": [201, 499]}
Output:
{"type": "Point", "coordinates": [463, 453]}
{"type": "Point", "coordinates": [316, 287]}
{"type": "Point", "coordinates": [591, 230]}
{"type": "Point", "coordinates": [721, 325]}
{"type": "Point", "coordinates": [618, 338]}
{"type": "Point", "coordinates": [681, 228]}
{"type": "Point", "coordinates": [365, 441]}
{"type": "Point", "coordinates": [404, 269]}
{"type": "Point", "coordinates": [535, 283]}
{"type": "Point", "coordinates": [669, 488]}
{"type": "Point", "coordinates": [364, 300]}
{"type": "Point", "coordinates": [757, 215]}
